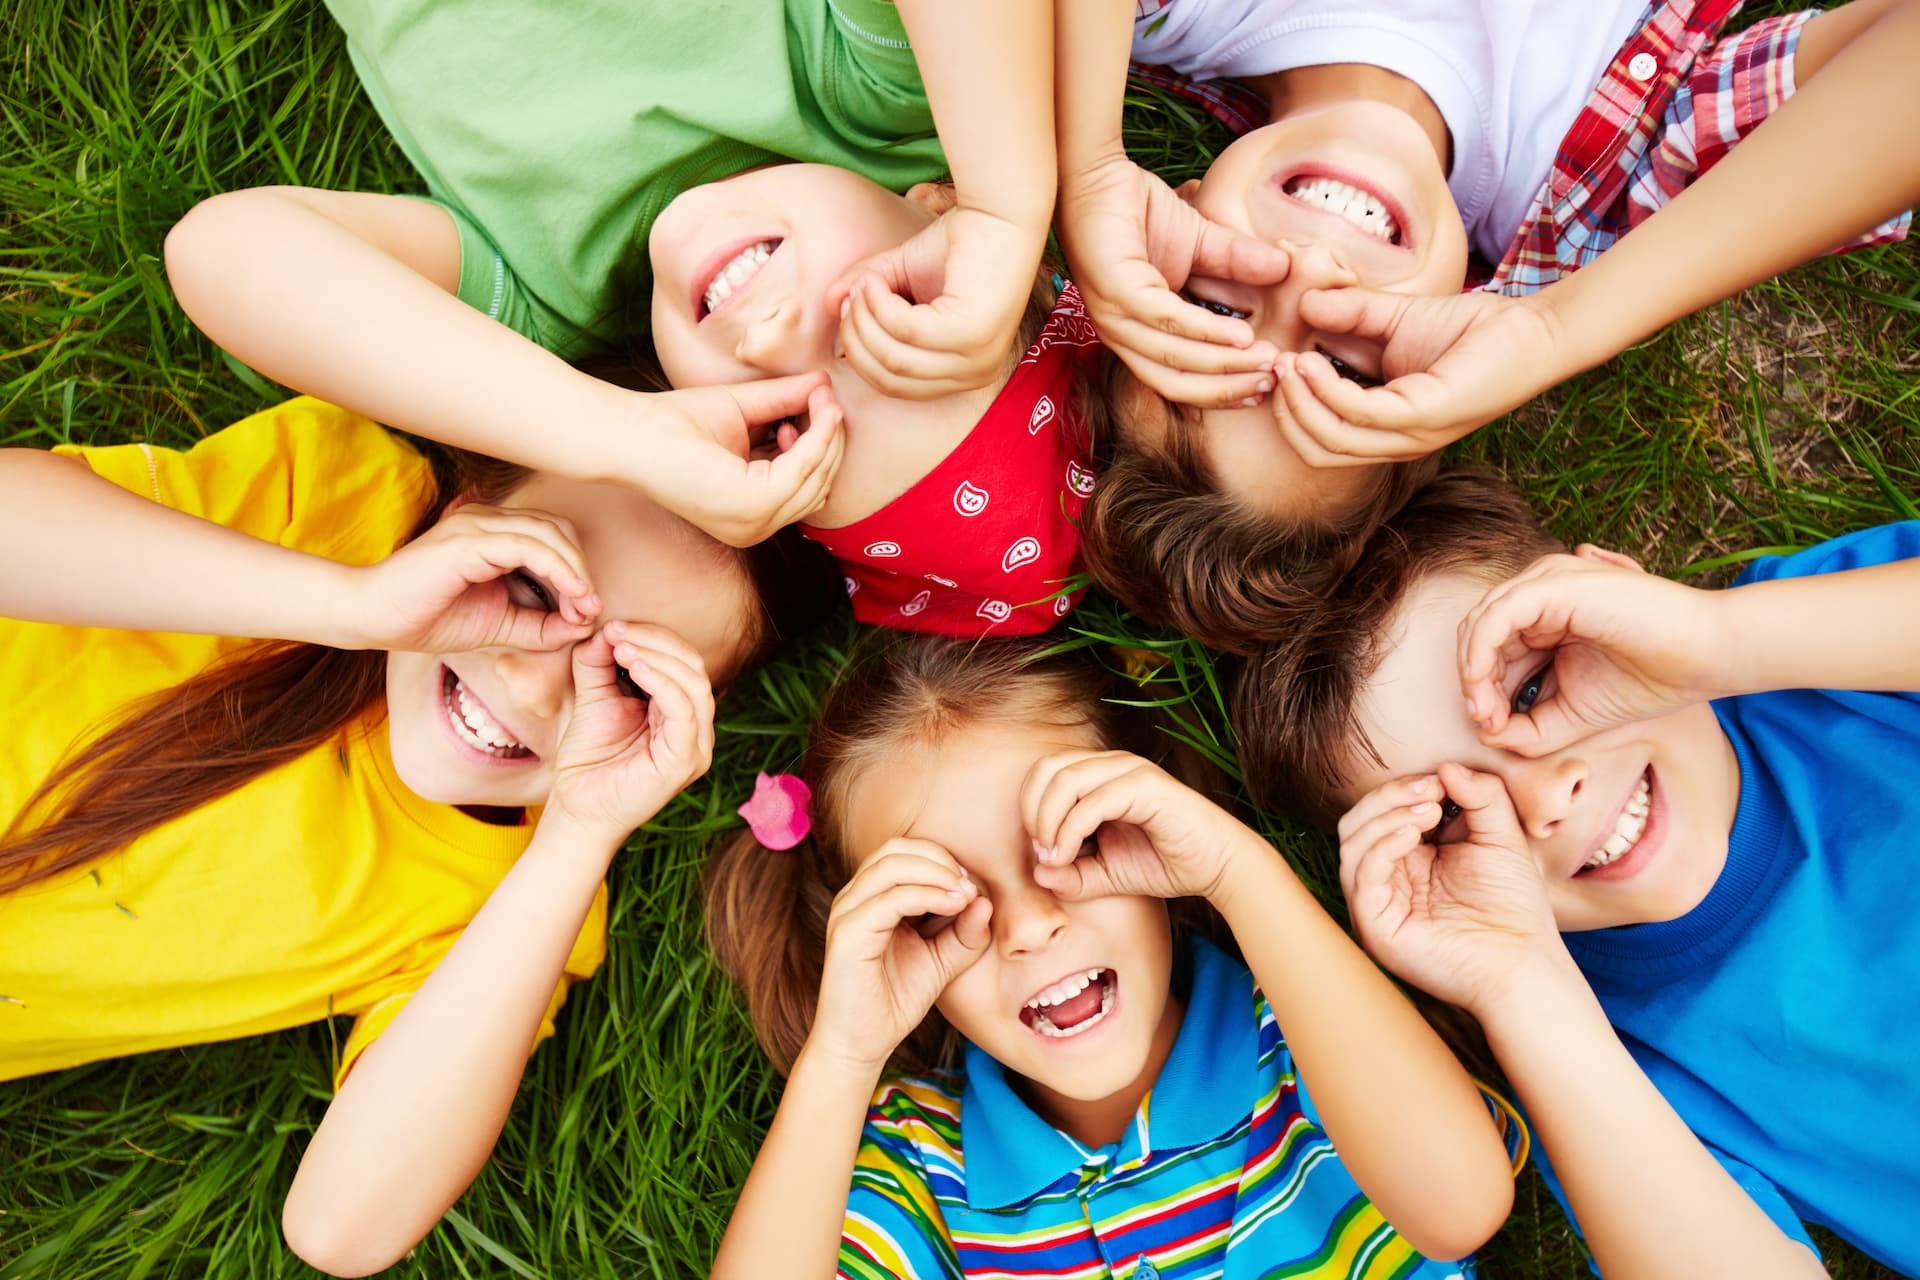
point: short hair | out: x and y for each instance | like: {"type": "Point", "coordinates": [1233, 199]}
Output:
{"type": "Point", "coordinates": [1293, 703]}
{"type": "Point", "coordinates": [1161, 535]}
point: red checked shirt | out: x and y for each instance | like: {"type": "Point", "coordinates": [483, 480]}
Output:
{"type": "Point", "coordinates": [987, 542]}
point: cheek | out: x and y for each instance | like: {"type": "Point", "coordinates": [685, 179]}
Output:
{"type": "Point", "coordinates": [971, 1003]}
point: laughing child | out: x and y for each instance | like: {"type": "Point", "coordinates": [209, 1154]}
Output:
{"type": "Point", "coordinates": [1002, 1058]}
{"type": "Point", "coordinates": [1398, 141]}
{"type": "Point", "coordinates": [738, 166]}
{"type": "Point", "coordinates": [1684, 813]}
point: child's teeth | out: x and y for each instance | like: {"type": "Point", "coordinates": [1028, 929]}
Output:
{"type": "Point", "coordinates": [1350, 202]}
{"type": "Point", "coordinates": [738, 271]}
{"type": "Point", "coordinates": [478, 728]}
{"type": "Point", "coordinates": [1064, 990]}
{"type": "Point", "coordinates": [1628, 828]}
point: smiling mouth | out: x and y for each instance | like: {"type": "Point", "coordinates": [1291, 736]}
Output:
{"type": "Point", "coordinates": [1627, 828]}
{"type": "Point", "coordinates": [474, 725]}
{"type": "Point", "coordinates": [1072, 1006]}
{"type": "Point", "coordinates": [731, 275]}
{"type": "Point", "coordinates": [1359, 207]}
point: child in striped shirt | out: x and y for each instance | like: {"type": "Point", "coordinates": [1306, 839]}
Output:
{"type": "Point", "coordinates": [1002, 1055]}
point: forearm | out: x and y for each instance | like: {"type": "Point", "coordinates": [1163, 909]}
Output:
{"type": "Point", "coordinates": [106, 557]}
{"type": "Point", "coordinates": [791, 1213]}
{"type": "Point", "coordinates": [1651, 1201]}
{"type": "Point", "coordinates": [1407, 1121]}
{"type": "Point", "coordinates": [1838, 157]}
{"type": "Point", "coordinates": [420, 1112]}
{"type": "Point", "coordinates": [999, 145]}
{"type": "Point", "coordinates": [305, 287]}
{"type": "Point", "coordinates": [1848, 630]}
{"type": "Point", "coordinates": [1092, 39]}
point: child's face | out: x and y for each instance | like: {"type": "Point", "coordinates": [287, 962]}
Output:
{"type": "Point", "coordinates": [1571, 802]}
{"type": "Point", "coordinates": [741, 268]}
{"type": "Point", "coordinates": [482, 727]}
{"type": "Point", "coordinates": [964, 795]}
{"type": "Point", "coordinates": [1355, 191]}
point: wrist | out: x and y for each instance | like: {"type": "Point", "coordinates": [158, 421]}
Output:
{"type": "Point", "coordinates": [822, 1057]}
{"type": "Point", "coordinates": [1533, 992]}
{"type": "Point", "coordinates": [339, 609]}
{"type": "Point", "coordinates": [1252, 883]}
{"type": "Point", "coordinates": [609, 437]}
{"type": "Point", "coordinates": [564, 836]}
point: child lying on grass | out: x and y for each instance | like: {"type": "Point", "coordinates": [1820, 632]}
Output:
{"type": "Point", "coordinates": [1004, 1059]}
{"type": "Point", "coordinates": [1576, 794]}
{"type": "Point", "coordinates": [1402, 138]}
{"type": "Point", "coordinates": [738, 166]}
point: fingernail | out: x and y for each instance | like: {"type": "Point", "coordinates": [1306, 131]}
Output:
{"type": "Point", "coordinates": [1265, 385]}
{"type": "Point", "coordinates": [1473, 711]}
{"type": "Point", "coordinates": [1249, 402]}
{"type": "Point", "coordinates": [1426, 809]}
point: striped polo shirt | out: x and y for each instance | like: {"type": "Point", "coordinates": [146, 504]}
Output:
{"type": "Point", "coordinates": [1225, 1171]}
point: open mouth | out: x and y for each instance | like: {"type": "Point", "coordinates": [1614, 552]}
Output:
{"type": "Point", "coordinates": [1628, 827]}
{"type": "Point", "coordinates": [1367, 210]}
{"type": "Point", "coordinates": [728, 273]}
{"type": "Point", "coordinates": [474, 725]}
{"type": "Point", "coordinates": [1072, 1006]}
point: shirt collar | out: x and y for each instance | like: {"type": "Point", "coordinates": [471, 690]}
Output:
{"type": "Point", "coordinates": [1011, 1155]}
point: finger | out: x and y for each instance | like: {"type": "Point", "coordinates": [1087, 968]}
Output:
{"type": "Point", "coordinates": [1388, 795]}
{"type": "Point", "coordinates": [954, 329]}
{"type": "Point", "coordinates": [1483, 799]}
{"type": "Point", "coordinates": [897, 368]}
{"type": "Point", "coordinates": [1153, 339]}
{"type": "Point", "coordinates": [1201, 390]}
{"type": "Point", "coordinates": [1312, 391]}
{"type": "Point", "coordinates": [901, 863]}
{"type": "Point", "coordinates": [1419, 818]}
{"type": "Point", "coordinates": [798, 481]}
{"type": "Point", "coordinates": [1378, 863]}
{"type": "Point", "coordinates": [1077, 880]}
{"type": "Point", "coordinates": [955, 949]}
{"type": "Point", "coordinates": [1366, 313]}
{"type": "Point", "coordinates": [1600, 555]}
{"type": "Point", "coordinates": [1232, 255]}
{"type": "Point", "coordinates": [654, 636]}
{"type": "Point", "coordinates": [1324, 448]}
{"type": "Point", "coordinates": [1510, 623]}
{"type": "Point", "coordinates": [1384, 410]}
{"type": "Point", "coordinates": [498, 548]}
{"type": "Point", "coordinates": [885, 911]}
{"type": "Point", "coordinates": [1116, 799]}
{"type": "Point", "coordinates": [1066, 788]}
{"type": "Point", "coordinates": [770, 400]}
{"type": "Point", "coordinates": [688, 679]}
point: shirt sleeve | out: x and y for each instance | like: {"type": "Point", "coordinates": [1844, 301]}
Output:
{"type": "Point", "coordinates": [1758, 1188]}
{"type": "Point", "coordinates": [583, 961]}
{"type": "Point", "coordinates": [490, 286]}
{"type": "Point", "coordinates": [304, 474]}
{"type": "Point", "coordinates": [893, 1229]}
{"type": "Point", "coordinates": [1882, 544]}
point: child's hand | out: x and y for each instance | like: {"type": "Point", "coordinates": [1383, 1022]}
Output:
{"type": "Point", "coordinates": [1131, 242]}
{"type": "Point", "coordinates": [699, 461]}
{"type": "Point", "coordinates": [908, 923]}
{"type": "Point", "coordinates": [1453, 363]}
{"type": "Point", "coordinates": [482, 576]}
{"type": "Point", "coordinates": [628, 750]}
{"type": "Point", "coordinates": [1598, 641]}
{"type": "Point", "coordinates": [1458, 917]}
{"type": "Point", "coordinates": [1156, 836]}
{"type": "Point", "coordinates": [939, 313]}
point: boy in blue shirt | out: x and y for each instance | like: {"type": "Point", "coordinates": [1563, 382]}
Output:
{"type": "Point", "coordinates": [1655, 849]}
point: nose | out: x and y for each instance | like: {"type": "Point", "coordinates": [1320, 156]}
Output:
{"type": "Point", "coordinates": [1544, 792]}
{"type": "Point", "coordinates": [775, 340]}
{"type": "Point", "coordinates": [536, 683]}
{"type": "Point", "coordinates": [1313, 267]}
{"type": "Point", "coordinates": [1026, 920]}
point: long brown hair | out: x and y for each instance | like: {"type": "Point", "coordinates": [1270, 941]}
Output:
{"type": "Point", "coordinates": [767, 912]}
{"type": "Point", "coordinates": [271, 702]}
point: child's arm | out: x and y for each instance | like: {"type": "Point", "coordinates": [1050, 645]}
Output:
{"type": "Point", "coordinates": [418, 1116]}
{"type": "Point", "coordinates": [1407, 1121]}
{"type": "Point", "coordinates": [1625, 645]}
{"type": "Point", "coordinates": [973, 269]}
{"type": "Point", "coordinates": [1838, 157]}
{"type": "Point", "coordinates": [1131, 242]}
{"type": "Point", "coordinates": [347, 296]}
{"type": "Point", "coordinates": [880, 981]}
{"type": "Point", "coordinates": [103, 556]}
{"type": "Point", "coordinates": [1470, 923]}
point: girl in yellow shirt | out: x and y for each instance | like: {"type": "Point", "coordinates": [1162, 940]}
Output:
{"type": "Point", "coordinates": [204, 837]}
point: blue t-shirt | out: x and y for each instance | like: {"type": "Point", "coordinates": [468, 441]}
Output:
{"type": "Point", "coordinates": [1779, 1016]}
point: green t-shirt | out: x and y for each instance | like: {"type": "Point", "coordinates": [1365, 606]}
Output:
{"type": "Point", "coordinates": [555, 133]}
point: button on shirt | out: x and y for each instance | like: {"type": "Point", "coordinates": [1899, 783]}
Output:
{"type": "Point", "coordinates": [1225, 1171]}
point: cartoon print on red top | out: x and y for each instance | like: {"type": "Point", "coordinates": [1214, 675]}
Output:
{"type": "Point", "coordinates": [990, 526]}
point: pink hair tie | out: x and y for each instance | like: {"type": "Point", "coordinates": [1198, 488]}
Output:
{"type": "Point", "coordinates": [780, 811]}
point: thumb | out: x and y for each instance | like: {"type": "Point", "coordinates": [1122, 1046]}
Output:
{"type": "Point", "coordinates": [1484, 801]}
{"type": "Point", "coordinates": [1366, 313]}
{"type": "Point", "coordinates": [774, 398]}
{"type": "Point", "coordinates": [536, 630]}
{"type": "Point", "coordinates": [1549, 726]}
{"type": "Point", "coordinates": [594, 669]}
{"type": "Point", "coordinates": [1224, 253]}
{"type": "Point", "coordinates": [955, 949]}
{"type": "Point", "coordinates": [1075, 881]}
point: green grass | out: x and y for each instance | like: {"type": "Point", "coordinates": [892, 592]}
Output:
{"type": "Point", "coordinates": [1773, 421]}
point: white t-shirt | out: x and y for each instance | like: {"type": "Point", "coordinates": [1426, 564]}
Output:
{"type": "Point", "coordinates": [1509, 76]}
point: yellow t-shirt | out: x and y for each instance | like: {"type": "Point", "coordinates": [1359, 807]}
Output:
{"type": "Point", "coordinates": [323, 887]}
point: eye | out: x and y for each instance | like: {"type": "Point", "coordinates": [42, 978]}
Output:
{"type": "Point", "coordinates": [1444, 831]}
{"type": "Point", "coordinates": [624, 682]}
{"type": "Point", "coordinates": [1531, 690]}
{"type": "Point", "coordinates": [1218, 308]}
{"type": "Point", "coordinates": [1350, 373]}
{"type": "Point", "coordinates": [528, 592]}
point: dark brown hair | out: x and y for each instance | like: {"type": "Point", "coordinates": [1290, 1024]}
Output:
{"type": "Point", "coordinates": [767, 912]}
{"type": "Point", "coordinates": [1161, 536]}
{"type": "Point", "coordinates": [271, 702]}
{"type": "Point", "coordinates": [1293, 702]}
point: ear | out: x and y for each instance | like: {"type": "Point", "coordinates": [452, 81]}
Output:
{"type": "Point", "coordinates": [935, 197]}
{"type": "Point", "coordinates": [1188, 189]}
{"type": "Point", "coordinates": [1600, 555]}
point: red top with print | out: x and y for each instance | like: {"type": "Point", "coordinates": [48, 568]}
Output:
{"type": "Point", "coordinates": [988, 541]}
